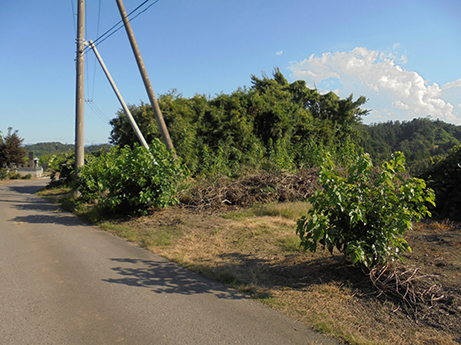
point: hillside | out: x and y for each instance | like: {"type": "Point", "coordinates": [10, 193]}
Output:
{"type": "Point", "coordinates": [419, 139]}
{"type": "Point", "coordinates": [49, 148]}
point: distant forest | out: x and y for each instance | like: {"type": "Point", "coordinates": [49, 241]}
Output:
{"type": "Point", "coordinates": [45, 150]}
{"type": "Point", "coordinates": [422, 140]}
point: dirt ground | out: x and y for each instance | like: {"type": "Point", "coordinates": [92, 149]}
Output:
{"type": "Point", "coordinates": [259, 255]}
{"type": "Point", "coordinates": [437, 252]}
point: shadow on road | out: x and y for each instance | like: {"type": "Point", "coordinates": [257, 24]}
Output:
{"type": "Point", "coordinates": [25, 189]}
{"type": "Point", "coordinates": [37, 206]}
{"type": "Point", "coordinates": [166, 278]}
{"type": "Point", "coordinates": [61, 219]}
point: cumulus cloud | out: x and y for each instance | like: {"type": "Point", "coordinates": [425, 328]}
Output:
{"type": "Point", "coordinates": [378, 76]}
{"type": "Point", "coordinates": [279, 52]}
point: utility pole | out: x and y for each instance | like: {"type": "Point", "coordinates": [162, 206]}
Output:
{"type": "Point", "coordinates": [80, 89]}
{"type": "Point", "coordinates": [142, 69]}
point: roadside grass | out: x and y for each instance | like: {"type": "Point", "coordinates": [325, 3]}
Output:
{"type": "Point", "coordinates": [256, 252]}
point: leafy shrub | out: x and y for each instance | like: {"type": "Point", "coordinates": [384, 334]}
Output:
{"type": "Point", "coordinates": [26, 177]}
{"type": "Point", "coordinates": [364, 213]}
{"type": "Point", "coordinates": [445, 178]}
{"type": "Point", "coordinates": [62, 165]}
{"type": "Point", "coordinates": [128, 180]}
{"type": "Point", "coordinates": [3, 174]}
{"type": "Point", "coordinates": [13, 175]}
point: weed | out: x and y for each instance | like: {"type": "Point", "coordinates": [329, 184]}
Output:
{"type": "Point", "coordinates": [289, 244]}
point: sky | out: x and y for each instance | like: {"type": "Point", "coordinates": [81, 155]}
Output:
{"type": "Point", "coordinates": [402, 55]}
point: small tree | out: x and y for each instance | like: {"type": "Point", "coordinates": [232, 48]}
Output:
{"type": "Point", "coordinates": [11, 150]}
{"type": "Point", "coordinates": [364, 212]}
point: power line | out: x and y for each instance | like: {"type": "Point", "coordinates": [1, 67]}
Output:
{"type": "Point", "coordinates": [97, 34]}
{"type": "Point", "coordinates": [73, 14]}
{"type": "Point", "coordinates": [119, 25]}
{"type": "Point", "coordinates": [99, 113]}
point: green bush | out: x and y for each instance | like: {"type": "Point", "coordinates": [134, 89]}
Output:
{"type": "Point", "coordinates": [13, 175]}
{"type": "Point", "coordinates": [364, 211]}
{"type": "Point", "coordinates": [445, 178]}
{"type": "Point", "coordinates": [3, 174]}
{"type": "Point", "coordinates": [26, 177]}
{"type": "Point", "coordinates": [62, 165]}
{"type": "Point", "coordinates": [125, 180]}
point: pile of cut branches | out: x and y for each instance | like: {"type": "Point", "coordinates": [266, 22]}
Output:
{"type": "Point", "coordinates": [249, 190]}
{"type": "Point", "coordinates": [417, 293]}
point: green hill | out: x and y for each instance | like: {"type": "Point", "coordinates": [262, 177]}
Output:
{"type": "Point", "coordinates": [421, 140]}
{"type": "Point", "coordinates": [40, 149]}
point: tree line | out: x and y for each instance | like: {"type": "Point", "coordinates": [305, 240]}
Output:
{"type": "Point", "coordinates": [422, 140]}
{"type": "Point", "coordinates": [273, 123]}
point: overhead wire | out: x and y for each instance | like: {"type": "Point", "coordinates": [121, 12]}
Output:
{"type": "Point", "coordinates": [101, 39]}
{"type": "Point", "coordinates": [97, 34]}
{"type": "Point", "coordinates": [73, 14]}
{"type": "Point", "coordinates": [119, 24]}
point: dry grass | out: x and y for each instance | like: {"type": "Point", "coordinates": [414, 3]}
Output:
{"type": "Point", "coordinates": [256, 251]}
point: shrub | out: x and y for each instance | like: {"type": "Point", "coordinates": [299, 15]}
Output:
{"type": "Point", "coordinates": [62, 165]}
{"type": "Point", "coordinates": [131, 180]}
{"type": "Point", "coordinates": [445, 178]}
{"type": "Point", "coordinates": [364, 212]}
{"type": "Point", "coordinates": [3, 174]}
{"type": "Point", "coordinates": [13, 175]}
{"type": "Point", "coordinates": [26, 177]}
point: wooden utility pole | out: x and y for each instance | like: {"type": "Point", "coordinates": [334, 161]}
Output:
{"type": "Point", "coordinates": [142, 69]}
{"type": "Point", "coordinates": [80, 90]}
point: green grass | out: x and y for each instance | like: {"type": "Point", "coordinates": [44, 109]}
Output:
{"type": "Point", "coordinates": [289, 210]}
{"type": "Point", "coordinates": [289, 244]}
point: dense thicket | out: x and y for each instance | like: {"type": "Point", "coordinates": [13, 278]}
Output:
{"type": "Point", "coordinates": [273, 123]}
{"type": "Point", "coordinates": [419, 139]}
{"type": "Point", "coordinates": [445, 178]}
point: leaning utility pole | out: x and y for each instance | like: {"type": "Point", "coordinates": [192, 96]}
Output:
{"type": "Point", "coordinates": [80, 92]}
{"type": "Point", "coordinates": [153, 100]}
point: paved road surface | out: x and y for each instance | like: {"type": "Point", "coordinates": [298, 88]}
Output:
{"type": "Point", "coordinates": [64, 282]}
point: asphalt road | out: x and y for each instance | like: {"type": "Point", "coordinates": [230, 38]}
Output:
{"type": "Point", "coordinates": [65, 282]}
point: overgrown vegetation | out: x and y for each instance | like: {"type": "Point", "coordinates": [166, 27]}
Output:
{"type": "Point", "coordinates": [445, 178]}
{"type": "Point", "coordinates": [125, 180]}
{"type": "Point", "coordinates": [272, 125]}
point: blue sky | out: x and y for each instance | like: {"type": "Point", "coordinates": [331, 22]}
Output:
{"type": "Point", "coordinates": [404, 56]}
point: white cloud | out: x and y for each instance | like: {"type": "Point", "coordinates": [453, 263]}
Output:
{"type": "Point", "coordinates": [376, 75]}
{"type": "Point", "coordinates": [452, 85]}
{"type": "Point", "coordinates": [279, 52]}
